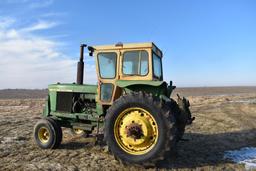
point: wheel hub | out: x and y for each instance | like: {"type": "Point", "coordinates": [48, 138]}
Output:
{"type": "Point", "coordinates": [136, 131]}
{"type": "Point", "coordinates": [78, 131]}
{"type": "Point", "coordinates": [43, 135]}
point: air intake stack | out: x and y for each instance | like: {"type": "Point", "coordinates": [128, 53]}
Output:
{"type": "Point", "coordinates": [80, 66]}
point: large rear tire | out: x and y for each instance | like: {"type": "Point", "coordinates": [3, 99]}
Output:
{"type": "Point", "coordinates": [182, 114]}
{"type": "Point", "coordinates": [180, 122]}
{"type": "Point", "coordinates": [140, 129]}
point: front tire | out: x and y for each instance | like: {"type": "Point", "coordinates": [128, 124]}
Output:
{"type": "Point", "coordinates": [140, 129]}
{"type": "Point", "coordinates": [47, 133]}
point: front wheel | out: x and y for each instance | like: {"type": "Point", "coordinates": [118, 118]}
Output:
{"type": "Point", "coordinates": [139, 129]}
{"type": "Point", "coordinates": [47, 133]}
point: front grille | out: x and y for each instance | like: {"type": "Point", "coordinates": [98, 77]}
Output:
{"type": "Point", "coordinates": [64, 101]}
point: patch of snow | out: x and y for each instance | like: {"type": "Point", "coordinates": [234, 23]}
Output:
{"type": "Point", "coordinates": [246, 155]}
{"type": "Point", "coordinates": [249, 101]}
{"type": "Point", "coordinates": [10, 140]}
{"type": "Point", "coordinates": [14, 107]}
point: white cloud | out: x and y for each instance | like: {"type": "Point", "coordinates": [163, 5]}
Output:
{"type": "Point", "coordinates": [6, 22]}
{"type": "Point", "coordinates": [41, 25]}
{"type": "Point", "coordinates": [31, 61]}
{"type": "Point", "coordinates": [32, 4]}
{"type": "Point", "coordinates": [40, 4]}
{"type": "Point", "coordinates": [53, 14]}
{"type": "Point", "coordinates": [17, 1]}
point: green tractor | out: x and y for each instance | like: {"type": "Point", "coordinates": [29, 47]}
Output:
{"type": "Point", "coordinates": [131, 103]}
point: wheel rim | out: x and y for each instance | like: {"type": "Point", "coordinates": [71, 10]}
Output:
{"type": "Point", "coordinates": [136, 131]}
{"type": "Point", "coordinates": [44, 135]}
{"type": "Point", "coordinates": [78, 131]}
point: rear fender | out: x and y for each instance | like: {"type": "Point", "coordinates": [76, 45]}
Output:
{"type": "Point", "coordinates": [154, 87]}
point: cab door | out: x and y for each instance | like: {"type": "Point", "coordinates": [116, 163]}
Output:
{"type": "Point", "coordinates": [107, 70]}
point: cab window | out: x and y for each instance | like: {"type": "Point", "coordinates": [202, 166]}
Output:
{"type": "Point", "coordinates": [106, 91]}
{"type": "Point", "coordinates": [157, 65]}
{"type": "Point", "coordinates": [135, 63]}
{"type": "Point", "coordinates": [107, 64]}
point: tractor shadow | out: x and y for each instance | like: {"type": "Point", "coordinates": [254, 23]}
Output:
{"type": "Point", "coordinates": [74, 145]}
{"type": "Point", "coordinates": [78, 142]}
{"type": "Point", "coordinates": [201, 149]}
{"type": "Point", "coordinates": [207, 149]}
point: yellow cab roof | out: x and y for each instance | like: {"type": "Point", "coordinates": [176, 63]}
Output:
{"type": "Point", "coordinates": [121, 46]}
{"type": "Point", "coordinates": [124, 46]}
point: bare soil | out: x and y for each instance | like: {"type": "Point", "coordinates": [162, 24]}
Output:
{"type": "Point", "coordinates": [225, 120]}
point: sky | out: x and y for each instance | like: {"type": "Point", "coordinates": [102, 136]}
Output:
{"type": "Point", "coordinates": [205, 42]}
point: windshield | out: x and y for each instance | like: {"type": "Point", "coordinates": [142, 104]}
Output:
{"type": "Point", "coordinates": [107, 64]}
{"type": "Point", "coordinates": [135, 63]}
{"type": "Point", "coordinates": [157, 65]}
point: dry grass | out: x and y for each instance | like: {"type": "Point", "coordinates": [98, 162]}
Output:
{"type": "Point", "coordinates": [222, 123]}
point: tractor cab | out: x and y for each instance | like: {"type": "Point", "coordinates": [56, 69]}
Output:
{"type": "Point", "coordinates": [123, 63]}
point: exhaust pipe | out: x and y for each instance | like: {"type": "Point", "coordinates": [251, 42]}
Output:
{"type": "Point", "coordinates": [80, 66]}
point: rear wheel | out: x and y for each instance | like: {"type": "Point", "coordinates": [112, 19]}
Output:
{"type": "Point", "coordinates": [139, 129]}
{"type": "Point", "coordinates": [136, 131]}
{"type": "Point", "coordinates": [47, 133]}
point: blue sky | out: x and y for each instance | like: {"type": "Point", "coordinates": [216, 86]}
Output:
{"type": "Point", "coordinates": [205, 42]}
